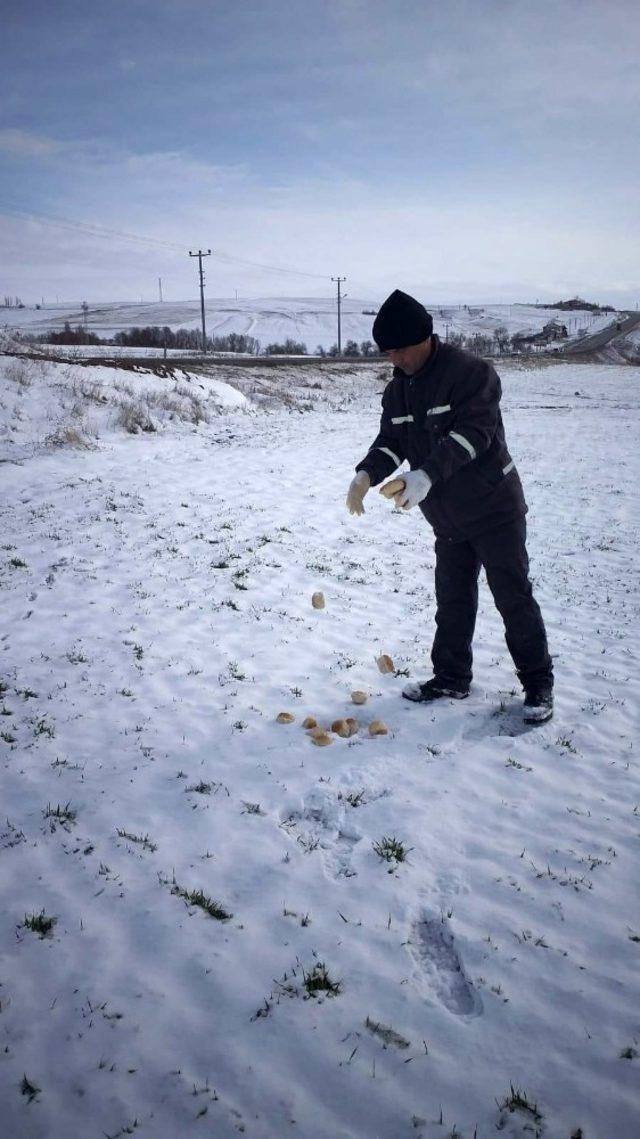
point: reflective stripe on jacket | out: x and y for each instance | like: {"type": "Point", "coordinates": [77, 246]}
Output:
{"type": "Point", "coordinates": [446, 419]}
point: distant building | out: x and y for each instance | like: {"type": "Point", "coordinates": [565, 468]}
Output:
{"type": "Point", "coordinates": [551, 331]}
{"type": "Point", "coordinates": [554, 330]}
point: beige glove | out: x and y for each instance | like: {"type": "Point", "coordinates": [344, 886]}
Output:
{"type": "Point", "coordinates": [357, 490]}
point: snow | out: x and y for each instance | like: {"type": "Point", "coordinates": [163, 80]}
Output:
{"type": "Point", "coordinates": [157, 616]}
{"type": "Point", "coordinates": [45, 403]}
{"type": "Point", "coordinates": [311, 320]}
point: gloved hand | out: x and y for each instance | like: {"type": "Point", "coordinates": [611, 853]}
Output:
{"type": "Point", "coordinates": [417, 485]}
{"type": "Point", "coordinates": [357, 490]}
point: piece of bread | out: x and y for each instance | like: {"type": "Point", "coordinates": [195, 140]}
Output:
{"type": "Point", "coordinates": [378, 728]}
{"type": "Point", "coordinates": [341, 728]}
{"type": "Point", "coordinates": [321, 739]}
{"type": "Point", "coordinates": [352, 725]}
{"type": "Point", "coordinates": [392, 488]}
{"type": "Point", "coordinates": [317, 600]}
{"type": "Point", "coordinates": [310, 722]}
{"type": "Point", "coordinates": [285, 718]}
{"type": "Point", "coordinates": [359, 697]}
{"type": "Point", "coordinates": [385, 663]}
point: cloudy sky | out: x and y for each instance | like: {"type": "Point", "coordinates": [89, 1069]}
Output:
{"type": "Point", "coordinates": [460, 150]}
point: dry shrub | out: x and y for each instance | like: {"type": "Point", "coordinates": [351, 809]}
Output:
{"type": "Point", "coordinates": [168, 403]}
{"type": "Point", "coordinates": [134, 417]}
{"type": "Point", "coordinates": [67, 435]}
{"type": "Point", "coordinates": [195, 408]}
{"type": "Point", "coordinates": [18, 372]}
{"type": "Point", "coordinates": [89, 390]}
{"type": "Point", "coordinates": [126, 389]}
{"type": "Point", "coordinates": [177, 407]}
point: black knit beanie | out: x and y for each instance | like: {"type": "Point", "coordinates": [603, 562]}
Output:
{"type": "Point", "coordinates": [401, 321]}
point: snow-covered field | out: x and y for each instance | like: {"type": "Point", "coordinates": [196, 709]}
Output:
{"type": "Point", "coordinates": [156, 594]}
{"type": "Point", "coordinates": [311, 320]}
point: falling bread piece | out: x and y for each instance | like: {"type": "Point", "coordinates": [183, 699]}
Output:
{"type": "Point", "coordinates": [321, 739]}
{"type": "Point", "coordinates": [359, 697]}
{"type": "Point", "coordinates": [352, 725]}
{"type": "Point", "coordinates": [285, 718]}
{"type": "Point", "coordinates": [378, 728]}
{"type": "Point", "coordinates": [341, 728]}
{"type": "Point", "coordinates": [317, 600]}
{"type": "Point", "coordinates": [391, 489]}
{"type": "Point", "coordinates": [385, 663]}
{"type": "Point", "coordinates": [310, 722]}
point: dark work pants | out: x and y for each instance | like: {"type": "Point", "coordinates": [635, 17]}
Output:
{"type": "Point", "coordinates": [503, 554]}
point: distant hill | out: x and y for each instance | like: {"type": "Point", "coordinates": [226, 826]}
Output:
{"type": "Point", "coordinates": [577, 303]}
{"type": "Point", "coordinates": [312, 321]}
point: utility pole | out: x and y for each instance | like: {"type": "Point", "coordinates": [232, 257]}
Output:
{"type": "Point", "coordinates": [200, 254]}
{"type": "Point", "coordinates": [339, 281]}
{"type": "Point", "coordinates": [160, 288]}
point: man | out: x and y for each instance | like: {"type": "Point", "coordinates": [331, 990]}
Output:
{"type": "Point", "coordinates": [441, 413]}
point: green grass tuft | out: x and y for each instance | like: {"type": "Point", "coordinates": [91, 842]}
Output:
{"type": "Point", "coordinates": [517, 1100]}
{"type": "Point", "coordinates": [39, 923]}
{"type": "Point", "coordinates": [138, 839]}
{"type": "Point", "coordinates": [200, 788]}
{"type": "Point", "coordinates": [203, 902]}
{"type": "Point", "coordinates": [64, 815]}
{"type": "Point", "coordinates": [391, 849]}
{"type": "Point", "coordinates": [319, 981]}
{"type": "Point", "coordinates": [28, 1088]}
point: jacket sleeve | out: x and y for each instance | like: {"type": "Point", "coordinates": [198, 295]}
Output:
{"type": "Point", "coordinates": [386, 453]}
{"type": "Point", "coordinates": [476, 410]}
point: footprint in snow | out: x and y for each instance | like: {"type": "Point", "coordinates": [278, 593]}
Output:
{"type": "Point", "coordinates": [339, 837]}
{"type": "Point", "coordinates": [330, 831]}
{"type": "Point", "coordinates": [501, 720]}
{"type": "Point", "coordinates": [449, 885]}
{"type": "Point", "coordinates": [440, 969]}
{"type": "Point", "coordinates": [337, 858]}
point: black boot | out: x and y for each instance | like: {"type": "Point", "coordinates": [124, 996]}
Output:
{"type": "Point", "coordinates": [538, 705]}
{"type": "Point", "coordinates": [432, 690]}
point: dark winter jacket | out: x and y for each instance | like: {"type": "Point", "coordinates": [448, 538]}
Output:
{"type": "Point", "coordinates": [446, 419]}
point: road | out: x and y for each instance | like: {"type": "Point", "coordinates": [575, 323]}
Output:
{"type": "Point", "coordinates": [604, 336]}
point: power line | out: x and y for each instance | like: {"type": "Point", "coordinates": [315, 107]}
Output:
{"type": "Point", "coordinates": [271, 268]}
{"type": "Point", "coordinates": [91, 229]}
{"type": "Point", "coordinates": [95, 230]}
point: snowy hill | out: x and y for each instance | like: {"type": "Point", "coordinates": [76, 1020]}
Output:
{"type": "Point", "coordinates": [211, 926]}
{"type": "Point", "coordinates": [312, 321]}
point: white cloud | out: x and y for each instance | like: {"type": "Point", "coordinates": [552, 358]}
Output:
{"type": "Point", "coordinates": [22, 144]}
{"type": "Point", "coordinates": [453, 144]}
{"type": "Point", "coordinates": [445, 251]}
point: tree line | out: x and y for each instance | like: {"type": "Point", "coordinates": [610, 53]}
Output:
{"type": "Point", "coordinates": [154, 336]}
{"type": "Point", "coordinates": [577, 304]}
{"type": "Point", "coordinates": [499, 342]}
